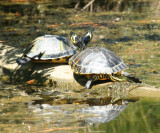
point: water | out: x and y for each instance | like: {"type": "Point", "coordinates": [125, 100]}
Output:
{"type": "Point", "coordinates": [130, 29]}
{"type": "Point", "coordinates": [21, 112]}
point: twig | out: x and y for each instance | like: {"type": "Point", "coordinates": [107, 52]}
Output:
{"type": "Point", "coordinates": [89, 4]}
{"type": "Point", "coordinates": [76, 6]}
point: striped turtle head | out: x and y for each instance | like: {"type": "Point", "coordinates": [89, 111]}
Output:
{"type": "Point", "coordinates": [74, 38]}
{"type": "Point", "coordinates": [87, 37]}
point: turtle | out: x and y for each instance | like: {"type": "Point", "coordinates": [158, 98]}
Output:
{"type": "Point", "coordinates": [99, 63]}
{"type": "Point", "coordinates": [48, 49]}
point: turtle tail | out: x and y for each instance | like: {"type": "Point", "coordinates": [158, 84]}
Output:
{"type": "Point", "coordinates": [131, 78]}
{"type": "Point", "coordinates": [23, 61]}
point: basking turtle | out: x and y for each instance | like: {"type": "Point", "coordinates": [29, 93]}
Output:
{"type": "Point", "coordinates": [48, 49]}
{"type": "Point", "coordinates": [98, 63]}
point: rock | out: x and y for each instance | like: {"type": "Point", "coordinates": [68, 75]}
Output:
{"type": "Point", "coordinates": [51, 71]}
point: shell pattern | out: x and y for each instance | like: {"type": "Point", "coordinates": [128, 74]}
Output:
{"type": "Point", "coordinates": [53, 46]}
{"type": "Point", "coordinates": [96, 60]}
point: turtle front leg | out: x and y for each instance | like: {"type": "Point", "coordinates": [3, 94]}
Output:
{"type": "Point", "coordinates": [94, 78]}
{"type": "Point", "coordinates": [88, 84]}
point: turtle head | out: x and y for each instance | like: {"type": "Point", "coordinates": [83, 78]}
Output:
{"type": "Point", "coordinates": [74, 38]}
{"type": "Point", "coordinates": [86, 38]}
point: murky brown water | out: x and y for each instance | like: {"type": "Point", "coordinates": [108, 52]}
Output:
{"type": "Point", "coordinates": [130, 29]}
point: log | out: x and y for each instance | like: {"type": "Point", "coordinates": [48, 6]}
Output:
{"type": "Point", "coordinates": [61, 76]}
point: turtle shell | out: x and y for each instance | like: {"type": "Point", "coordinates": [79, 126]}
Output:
{"type": "Point", "coordinates": [96, 60]}
{"type": "Point", "coordinates": [52, 47]}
